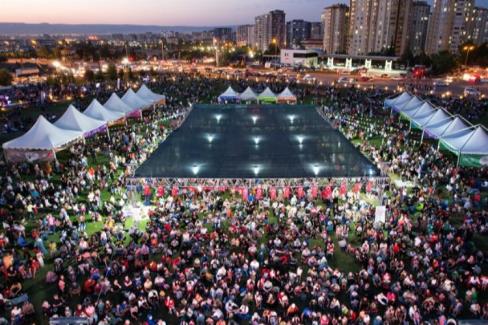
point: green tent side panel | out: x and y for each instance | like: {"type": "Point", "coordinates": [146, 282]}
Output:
{"type": "Point", "coordinates": [473, 161]}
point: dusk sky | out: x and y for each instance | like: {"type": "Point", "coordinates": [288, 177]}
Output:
{"type": "Point", "coordinates": [159, 12]}
{"type": "Point", "coordinates": [156, 12]}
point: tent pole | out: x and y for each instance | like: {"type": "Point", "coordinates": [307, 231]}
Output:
{"type": "Point", "coordinates": [458, 159]}
{"type": "Point", "coordinates": [422, 137]}
{"type": "Point", "coordinates": [108, 133]}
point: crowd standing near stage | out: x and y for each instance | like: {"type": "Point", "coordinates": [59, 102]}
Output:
{"type": "Point", "coordinates": [273, 255]}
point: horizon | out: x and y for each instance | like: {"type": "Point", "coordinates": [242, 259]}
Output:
{"type": "Point", "coordinates": [185, 13]}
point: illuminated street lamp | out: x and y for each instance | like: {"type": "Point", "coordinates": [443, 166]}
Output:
{"type": "Point", "coordinates": [316, 169]}
{"type": "Point", "coordinates": [256, 169]}
{"type": "Point", "coordinates": [210, 138]}
{"type": "Point", "coordinates": [467, 49]}
{"type": "Point", "coordinates": [195, 169]}
{"type": "Point", "coordinates": [254, 119]}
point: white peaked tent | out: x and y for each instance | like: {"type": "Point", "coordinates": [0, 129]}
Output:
{"type": "Point", "coordinates": [456, 125]}
{"type": "Point", "coordinates": [229, 95]}
{"type": "Point", "coordinates": [470, 145]}
{"type": "Point", "coordinates": [456, 140]}
{"type": "Point", "coordinates": [410, 106]}
{"type": "Point", "coordinates": [402, 98]}
{"type": "Point", "coordinates": [134, 101]}
{"type": "Point", "coordinates": [43, 135]}
{"type": "Point", "coordinates": [286, 96]}
{"type": "Point", "coordinates": [435, 129]}
{"type": "Point", "coordinates": [98, 111]}
{"type": "Point", "coordinates": [425, 110]}
{"type": "Point", "coordinates": [477, 144]}
{"type": "Point", "coordinates": [439, 115]}
{"type": "Point", "coordinates": [397, 106]}
{"type": "Point", "coordinates": [145, 93]}
{"type": "Point", "coordinates": [267, 96]}
{"type": "Point", "coordinates": [74, 120]}
{"type": "Point", "coordinates": [114, 103]}
{"type": "Point", "coordinates": [248, 95]}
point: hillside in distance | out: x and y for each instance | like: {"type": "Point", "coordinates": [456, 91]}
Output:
{"type": "Point", "coordinates": [17, 29]}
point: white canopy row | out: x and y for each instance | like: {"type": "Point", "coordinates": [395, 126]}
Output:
{"type": "Point", "coordinates": [453, 132]}
{"type": "Point", "coordinates": [74, 125]}
{"type": "Point", "coordinates": [249, 95]}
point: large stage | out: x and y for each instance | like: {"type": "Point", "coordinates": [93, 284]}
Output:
{"type": "Point", "coordinates": [246, 142]}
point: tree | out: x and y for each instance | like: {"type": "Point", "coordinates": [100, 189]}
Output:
{"type": "Point", "coordinates": [5, 78]}
{"type": "Point", "coordinates": [43, 52]}
{"type": "Point", "coordinates": [111, 72]}
{"type": "Point", "coordinates": [129, 75]}
{"type": "Point", "coordinates": [408, 58]}
{"type": "Point", "coordinates": [479, 56]}
{"type": "Point", "coordinates": [99, 76]}
{"type": "Point", "coordinates": [443, 62]}
{"type": "Point", "coordinates": [89, 75]}
{"type": "Point", "coordinates": [423, 59]}
{"type": "Point", "coordinates": [273, 49]}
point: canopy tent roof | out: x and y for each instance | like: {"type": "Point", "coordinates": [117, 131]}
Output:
{"type": "Point", "coordinates": [456, 125]}
{"type": "Point", "coordinates": [114, 103]}
{"type": "Point", "coordinates": [439, 115]}
{"type": "Point", "coordinates": [248, 94]}
{"type": "Point", "coordinates": [134, 101]}
{"type": "Point", "coordinates": [74, 120]}
{"type": "Point", "coordinates": [98, 111]}
{"type": "Point", "coordinates": [402, 98]}
{"type": "Point", "coordinates": [410, 106]}
{"type": "Point", "coordinates": [425, 110]}
{"type": "Point", "coordinates": [400, 103]}
{"type": "Point", "coordinates": [287, 94]}
{"type": "Point", "coordinates": [267, 93]}
{"type": "Point", "coordinates": [456, 140]}
{"type": "Point", "coordinates": [436, 128]}
{"type": "Point", "coordinates": [43, 135]}
{"type": "Point", "coordinates": [229, 94]}
{"type": "Point", "coordinates": [477, 144]}
{"type": "Point", "coordinates": [145, 93]}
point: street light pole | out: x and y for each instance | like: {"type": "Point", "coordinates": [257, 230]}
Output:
{"type": "Point", "coordinates": [468, 49]}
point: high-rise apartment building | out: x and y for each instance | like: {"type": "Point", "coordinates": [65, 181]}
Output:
{"type": "Point", "coordinates": [378, 26]}
{"type": "Point", "coordinates": [245, 35]}
{"type": "Point", "coordinates": [335, 22]}
{"type": "Point", "coordinates": [296, 32]}
{"type": "Point", "coordinates": [261, 33]}
{"type": "Point", "coordinates": [447, 29]}
{"type": "Point", "coordinates": [477, 25]}
{"type": "Point", "coordinates": [270, 28]}
{"type": "Point", "coordinates": [223, 34]}
{"type": "Point", "coordinates": [418, 23]}
{"type": "Point", "coordinates": [316, 30]}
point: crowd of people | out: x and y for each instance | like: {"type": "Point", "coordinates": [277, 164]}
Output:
{"type": "Point", "coordinates": [278, 255]}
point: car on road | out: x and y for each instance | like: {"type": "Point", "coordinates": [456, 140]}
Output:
{"type": "Point", "coordinates": [308, 77]}
{"type": "Point", "coordinates": [345, 80]}
{"type": "Point", "coordinates": [365, 78]}
{"type": "Point", "coordinates": [471, 92]}
{"type": "Point", "coordinates": [440, 83]}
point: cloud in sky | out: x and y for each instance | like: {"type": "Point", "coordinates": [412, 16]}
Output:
{"type": "Point", "coordinates": [159, 12]}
